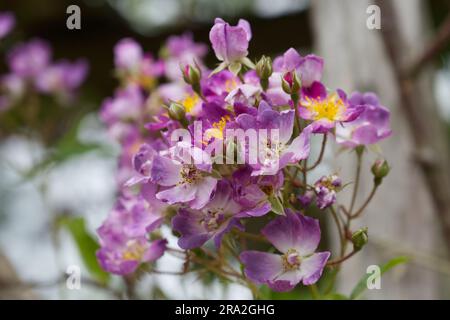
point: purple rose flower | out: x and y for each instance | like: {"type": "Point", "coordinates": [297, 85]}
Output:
{"type": "Point", "coordinates": [325, 110]}
{"type": "Point", "coordinates": [308, 68]}
{"type": "Point", "coordinates": [128, 55]}
{"type": "Point", "coordinates": [273, 156]}
{"type": "Point", "coordinates": [29, 59]}
{"type": "Point", "coordinates": [185, 174]}
{"type": "Point", "coordinates": [127, 104]}
{"type": "Point", "coordinates": [372, 125]}
{"type": "Point", "coordinates": [123, 242]}
{"type": "Point", "coordinates": [215, 219]}
{"type": "Point", "coordinates": [180, 46]}
{"type": "Point", "coordinates": [183, 51]}
{"type": "Point", "coordinates": [230, 43]}
{"type": "Point", "coordinates": [125, 257]}
{"type": "Point", "coordinates": [253, 191]}
{"type": "Point", "coordinates": [7, 22]}
{"type": "Point", "coordinates": [62, 77]}
{"type": "Point", "coordinates": [326, 188]}
{"type": "Point", "coordinates": [296, 237]}
{"type": "Point", "coordinates": [245, 94]}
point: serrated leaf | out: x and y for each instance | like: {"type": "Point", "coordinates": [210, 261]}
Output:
{"type": "Point", "coordinates": [361, 286]}
{"type": "Point", "coordinates": [87, 247]}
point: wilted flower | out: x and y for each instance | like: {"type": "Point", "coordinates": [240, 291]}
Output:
{"type": "Point", "coordinates": [326, 188]}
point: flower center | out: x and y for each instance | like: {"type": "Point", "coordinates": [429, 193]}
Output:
{"type": "Point", "coordinates": [189, 173]}
{"type": "Point", "coordinates": [189, 102]}
{"type": "Point", "coordinates": [291, 260]}
{"type": "Point", "coordinates": [329, 108]}
{"type": "Point", "coordinates": [217, 129]}
{"type": "Point", "coordinates": [212, 219]}
{"type": "Point", "coordinates": [134, 251]}
{"type": "Point", "coordinates": [230, 85]}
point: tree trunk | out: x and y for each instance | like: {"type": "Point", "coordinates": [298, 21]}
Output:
{"type": "Point", "coordinates": [9, 276]}
{"type": "Point", "coordinates": [402, 216]}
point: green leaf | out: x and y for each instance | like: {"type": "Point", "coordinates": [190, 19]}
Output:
{"type": "Point", "coordinates": [87, 246]}
{"type": "Point", "coordinates": [335, 296]}
{"type": "Point", "coordinates": [361, 286]}
{"type": "Point", "coordinates": [276, 204]}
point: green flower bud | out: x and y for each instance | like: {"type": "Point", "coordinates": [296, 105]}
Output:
{"type": "Point", "coordinates": [290, 83]}
{"type": "Point", "coordinates": [380, 169]}
{"type": "Point", "coordinates": [176, 111]}
{"type": "Point", "coordinates": [360, 238]}
{"type": "Point", "coordinates": [191, 74]}
{"type": "Point", "coordinates": [264, 68]}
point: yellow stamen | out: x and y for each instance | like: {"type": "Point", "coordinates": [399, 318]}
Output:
{"type": "Point", "coordinates": [134, 251]}
{"type": "Point", "coordinates": [330, 108]}
{"type": "Point", "coordinates": [146, 81]}
{"type": "Point", "coordinates": [230, 85]}
{"type": "Point", "coordinates": [190, 101]}
{"type": "Point", "coordinates": [217, 128]}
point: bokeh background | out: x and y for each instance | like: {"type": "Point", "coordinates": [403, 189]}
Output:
{"type": "Point", "coordinates": [70, 172]}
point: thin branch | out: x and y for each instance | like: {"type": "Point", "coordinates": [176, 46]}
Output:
{"type": "Point", "coordinates": [340, 260]}
{"type": "Point", "coordinates": [435, 47]}
{"type": "Point", "coordinates": [251, 236]}
{"type": "Point", "coordinates": [363, 207]}
{"type": "Point", "coordinates": [356, 185]}
{"type": "Point", "coordinates": [426, 128]}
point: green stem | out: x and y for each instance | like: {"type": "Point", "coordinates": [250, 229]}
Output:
{"type": "Point", "coordinates": [357, 178]}
{"type": "Point", "coordinates": [338, 225]}
{"type": "Point", "coordinates": [314, 292]}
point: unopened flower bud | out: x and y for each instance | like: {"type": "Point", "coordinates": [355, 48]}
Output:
{"type": "Point", "coordinates": [176, 111]}
{"type": "Point", "coordinates": [290, 83]}
{"type": "Point", "coordinates": [264, 68]}
{"type": "Point", "coordinates": [359, 239]}
{"type": "Point", "coordinates": [380, 169]}
{"type": "Point", "coordinates": [191, 74]}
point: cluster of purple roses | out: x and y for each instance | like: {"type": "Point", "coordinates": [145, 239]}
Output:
{"type": "Point", "coordinates": [206, 200]}
{"type": "Point", "coordinates": [31, 69]}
